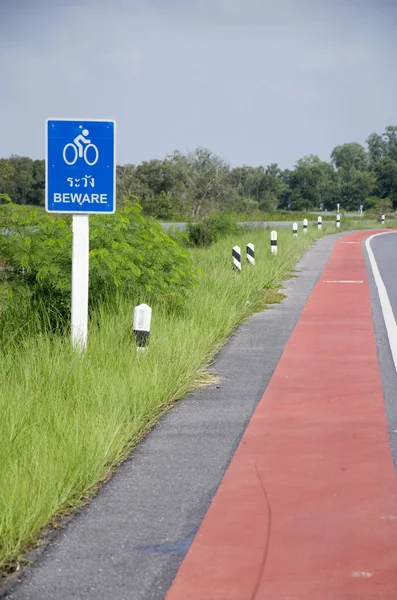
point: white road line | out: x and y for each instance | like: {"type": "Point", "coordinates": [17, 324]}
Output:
{"type": "Point", "coordinates": [343, 281]}
{"type": "Point", "coordinates": [388, 315]}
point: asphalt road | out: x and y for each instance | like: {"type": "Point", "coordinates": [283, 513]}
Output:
{"type": "Point", "coordinates": [128, 543]}
{"type": "Point", "coordinates": [384, 248]}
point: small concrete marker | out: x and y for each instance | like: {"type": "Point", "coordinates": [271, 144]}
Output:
{"type": "Point", "coordinates": [383, 219]}
{"type": "Point", "coordinates": [236, 255]}
{"type": "Point", "coordinates": [337, 207]}
{"type": "Point", "coordinates": [251, 254]}
{"type": "Point", "coordinates": [295, 229]}
{"type": "Point", "coordinates": [337, 221]}
{"type": "Point", "coordinates": [304, 225]}
{"type": "Point", "coordinates": [141, 326]}
{"type": "Point", "coordinates": [273, 242]}
{"type": "Point", "coordinates": [319, 222]}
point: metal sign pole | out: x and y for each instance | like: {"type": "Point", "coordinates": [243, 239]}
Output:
{"type": "Point", "coordinates": [80, 270]}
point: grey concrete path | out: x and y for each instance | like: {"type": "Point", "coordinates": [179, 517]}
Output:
{"type": "Point", "coordinates": [128, 543]}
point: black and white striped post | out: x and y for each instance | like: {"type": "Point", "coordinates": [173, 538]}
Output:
{"type": "Point", "coordinates": [142, 319]}
{"type": "Point", "coordinates": [319, 222]}
{"type": "Point", "coordinates": [295, 230]}
{"type": "Point", "coordinates": [304, 225]}
{"type": "Point", "coordinates": [251, 254]}
{"type": "Point", "coordinates": [383, 219]}
{"type": "Point", "coordinates": [337, 221]}
{"type": "Point", "coordinates": [273, 242]}
{"type": "Point", "coordinates": [236, 255]}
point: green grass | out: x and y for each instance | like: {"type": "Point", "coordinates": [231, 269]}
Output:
{"type": "Point", "coordinates": [286, 215]}
{"type": "Point", "coordinates": [68, 420]}
{"type": "Point", "coordinates": [281, 215]}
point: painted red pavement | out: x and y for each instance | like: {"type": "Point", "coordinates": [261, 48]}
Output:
{"type": "Point", "coordinates": [307, 509]}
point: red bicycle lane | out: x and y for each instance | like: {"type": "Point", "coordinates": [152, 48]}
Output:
{"type": "Point", "coordinates": [307, 509]}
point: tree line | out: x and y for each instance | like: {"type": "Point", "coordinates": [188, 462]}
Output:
{"type": "Point", "coordinates": [200, 182]}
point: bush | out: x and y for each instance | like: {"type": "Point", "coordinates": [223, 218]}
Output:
{"type": "Point", "coordinates": [210, 229]}
{"type": "Point", "coordinates": [377, 207]}
{"type": "Point", "coordinates": [129, 256]}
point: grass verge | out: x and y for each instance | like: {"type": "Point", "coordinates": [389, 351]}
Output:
{"type": "Point", "coordinates": [68, 420]}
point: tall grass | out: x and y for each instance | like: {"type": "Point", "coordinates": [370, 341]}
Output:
{"type": "Point", "coordinates": [67, 420]}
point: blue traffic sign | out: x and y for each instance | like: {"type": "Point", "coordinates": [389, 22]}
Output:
{"type": "Point", "coordinates": [80, 166]}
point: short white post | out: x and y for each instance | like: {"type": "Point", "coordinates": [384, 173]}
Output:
{"type": "Point", "coordinates": [337, 221]}
{"type": "Point", "coordinates": [304, 225]}
{"type": "Point", "coordinates": [80, 272]}
{"type": "Point", "coordinates": [141, 326]}
{"type": "Point", "coordinates": [361, 211]}
{"type": "Point", "coordinates": [319, 222]}
{"type": "Point", "coordinates": [251, 254]}
{"type": "Point", "coordinates": [236, 255]}
{"type": "Point", "coordinates": [383, 219]}
{"type": "Point", "coordinates": [337, 207]}
{"type": "Point", "coordinates": [273, 242]}
{"type": "Point", "coordinates": [295, 229]}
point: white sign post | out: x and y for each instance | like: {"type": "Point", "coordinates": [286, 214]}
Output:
{"type": "Point", "coordinates": [80, 270]}
{"type": "Point", "coordinates": [80, 180]}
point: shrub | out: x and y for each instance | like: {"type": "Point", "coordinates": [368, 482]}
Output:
{"type": "Point", "coordinates": [129, 256]}
{"type": "Point", "coordinates": [377, 207]}
{"type": "Point", "coordinates": [210, 229]}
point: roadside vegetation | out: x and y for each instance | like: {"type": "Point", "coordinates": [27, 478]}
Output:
{"type": "Point", "coordinates": [190, 186]}
{"type": "Point", "coordinates": [68, 420]}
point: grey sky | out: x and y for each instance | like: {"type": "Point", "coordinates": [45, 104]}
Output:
{"type": "Point", "coordinates": [256, 81]}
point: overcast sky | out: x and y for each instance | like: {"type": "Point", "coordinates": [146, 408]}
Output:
{"type": "Point", "coordinates": [256, 81]}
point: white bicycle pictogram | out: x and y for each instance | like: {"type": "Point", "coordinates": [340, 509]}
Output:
{"type": "Point", "coordinates": [79, 151]}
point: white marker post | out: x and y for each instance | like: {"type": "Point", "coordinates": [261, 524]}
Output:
{"type": "Point", "coordinates": [295, 230]}
{"type": "Point", "coordinates": [141, 326]}
{"type": "Point", "coordinates": [304, 225]}
{"type": "Point", "coordinates": [337, 207]}
{"type": "Point", "coordinates": [80, 270]}
{"type": "Point", "coordinates": [273, 242]}
{"type": "Point", "coordinates": [236, 256]}
{"type": "Point", "coordinates": [337, 221]}
{"type": "Point", "coordinates": [319, 223]}
{"type": "Point", "coordinates": [383, 219]}
{"type": "Point", "coordinates": [251, 254]}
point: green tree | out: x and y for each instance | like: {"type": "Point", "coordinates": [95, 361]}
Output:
{"type": "Point", "coordinates": [385, 171]}
{"type": "Point", "coordinates": [206, 186]}
{"type": "Point", "coordinates": [355, 181]}
{"type": "Point", "coordinates": [355, 188]}
{"type": "Point", "coordinates": [390, 138]}
{"type": "Point", "coordinates": [258, 186]}
{"type": "Point", "coordinates": [20, 187]}
{"type": "Point", "coordinates": [6, 171]}
{"type": "Point", "coordinates": [311, 183]}
{"type": "Point", "coordinates": [129, 184]}
{"type": "Point", "coordinates": [350, 157]}
{"type": "Point", "coordinates": [376, 148]}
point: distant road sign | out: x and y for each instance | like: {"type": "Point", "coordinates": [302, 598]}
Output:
{"type": "Point", "coordinates": [80, 166]}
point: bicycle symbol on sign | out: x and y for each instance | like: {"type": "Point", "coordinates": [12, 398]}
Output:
{"type": "Point", "coordinates": [79, 151]}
